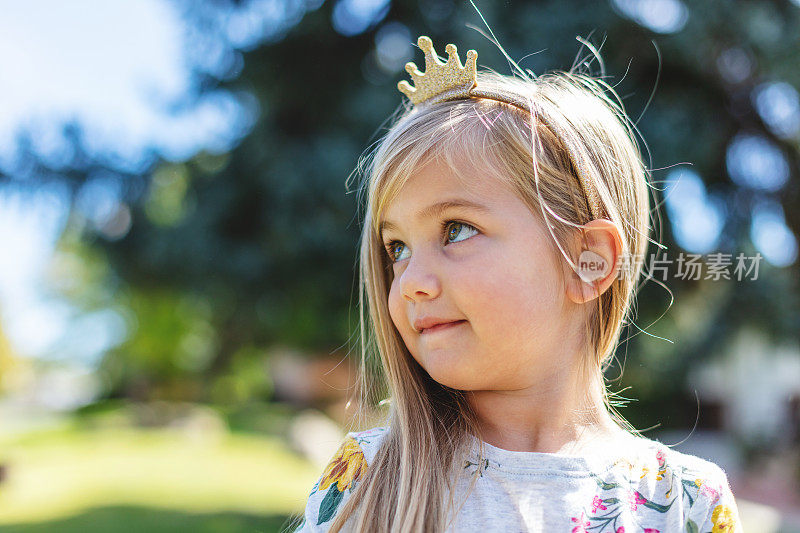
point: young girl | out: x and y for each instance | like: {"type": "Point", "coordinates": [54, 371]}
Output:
{"type": "Point", "coordinates": [506, 225]}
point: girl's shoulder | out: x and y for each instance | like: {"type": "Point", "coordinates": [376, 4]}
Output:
{"type": "Point", "coordinates": [655, 460]}
{"type": "Point", "coordinates": [661, 478]}
{"type": "Point", "coordinates": [368, 441]}
{"type": "Point", "coordinates": [340, 477]}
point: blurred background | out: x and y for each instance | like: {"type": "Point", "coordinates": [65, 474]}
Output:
{"type": "Point", "coordinates": [178, 284]}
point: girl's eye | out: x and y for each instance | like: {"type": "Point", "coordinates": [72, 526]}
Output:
{"type": "Point", "coordinates": [455, 229]}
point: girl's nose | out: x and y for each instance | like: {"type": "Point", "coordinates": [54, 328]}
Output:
{"type": "Point", "coordinates": [420, 280]}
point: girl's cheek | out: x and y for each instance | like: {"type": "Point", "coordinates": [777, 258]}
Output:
{"type": "Point", "coordinates": [395, 307]}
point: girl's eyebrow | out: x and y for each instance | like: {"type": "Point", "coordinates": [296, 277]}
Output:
{"type": "Point", "coordinates": [435, 210]}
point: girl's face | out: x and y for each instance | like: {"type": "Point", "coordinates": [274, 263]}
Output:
{"type": "Point", "coordinates": [490, 266]}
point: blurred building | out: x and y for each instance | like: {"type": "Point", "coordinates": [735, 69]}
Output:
{"type": "Point", "coordinates": [755, 386]}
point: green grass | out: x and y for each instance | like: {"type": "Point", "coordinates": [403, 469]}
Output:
{"type": "Point", "coordinates": [149, 479]}
{"type": "Point", "coordinates": [142, 519]}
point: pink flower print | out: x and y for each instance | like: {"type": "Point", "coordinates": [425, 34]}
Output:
{"type": "Point", "coordinates": [621, 529]}
{"type": "Point", "coordinates": [662, 469]}
{"type": "Point", "coordinates": [635, 500]}
{"type": "Point", "coordinates": [651, 530]}
{"type": "Point", "coordinates": [597, 503]}
{"type": "Point", "coordinates": [582, 524]}
{"type": "Point", "coordinates": [712, 493]}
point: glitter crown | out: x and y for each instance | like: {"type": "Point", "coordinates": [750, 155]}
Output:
{"type": "Point", "coordinates": [441, 81]}
{"type": "Point", "coordinates": [452, 81]}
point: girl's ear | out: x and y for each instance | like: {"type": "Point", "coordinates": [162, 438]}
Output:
{"type": "Point", "coordinates": [597, 249]}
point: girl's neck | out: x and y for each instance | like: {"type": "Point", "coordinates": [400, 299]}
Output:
{"type": "Point", "coordinates": [565, 418]}
{"type": "Point", "coordinates": [569, 439]}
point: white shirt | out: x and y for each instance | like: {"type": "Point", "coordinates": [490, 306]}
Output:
{"type": "Point", "coordinates": [642, 486]}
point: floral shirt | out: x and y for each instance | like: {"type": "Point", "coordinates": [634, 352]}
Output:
{"type": "Point", "coordinates": [645, 487]}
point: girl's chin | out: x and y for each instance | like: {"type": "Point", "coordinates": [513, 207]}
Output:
{"type": "Point", "coordinates": [455, 378]}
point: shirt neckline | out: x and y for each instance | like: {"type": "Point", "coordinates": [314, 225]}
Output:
{"type": "Point", "coordinates": [596, 460]}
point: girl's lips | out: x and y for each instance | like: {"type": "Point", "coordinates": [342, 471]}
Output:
{"type": "Point", "coordinates": [441, 327]}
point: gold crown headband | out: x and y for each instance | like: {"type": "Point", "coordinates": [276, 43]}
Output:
{"type": "Point", "coordinates": [451, 81]}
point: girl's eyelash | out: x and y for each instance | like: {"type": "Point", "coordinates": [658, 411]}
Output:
{"type": "Point", "coordinates": [443, 226]}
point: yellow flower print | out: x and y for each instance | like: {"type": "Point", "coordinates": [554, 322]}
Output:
{"type": "Point", "coordinates": [346, 467]}
{"type": "Point", "coordinates": [626, 464]}
{"type": "Point", "coordinates": [724, 519]}
{"type": "Point", "coordinates": [659, 474]}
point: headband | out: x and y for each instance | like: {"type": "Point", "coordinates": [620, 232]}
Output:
{"type": "Point", "coordinates": [451, 81]}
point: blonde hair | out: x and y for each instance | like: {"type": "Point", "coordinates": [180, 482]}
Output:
{"type": "Point", "coordinates": [574, 127]}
